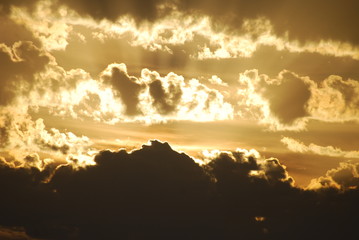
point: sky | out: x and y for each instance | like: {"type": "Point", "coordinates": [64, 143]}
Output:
{"type": "Point", "coordinates": [125, 119]}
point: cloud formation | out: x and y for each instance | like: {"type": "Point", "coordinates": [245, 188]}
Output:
{"type": "Point", "coordinates": [156, 192]}
{"type": "Point", "coordinates": [125, 87]}
{"type": "Point", "coordinates": [288, 101]}
{"type": "Point", "coordinates": [345, 177]}
{"type": "Point", "coordinates": [199, 33]}
{"type": "Point", "coordinates": [152, 98]}
{"type": "Point", "coordinates": [288, 17]}
{"type": "Point", "coordinates": [20, 63]}
{"type": "Point", "coordinates": [23, 140]}
{"type": "Point", "coordinates": [296, 146]}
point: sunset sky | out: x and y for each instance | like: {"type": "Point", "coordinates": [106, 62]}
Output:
{"type": "Point", "coordinates": [273, 81]}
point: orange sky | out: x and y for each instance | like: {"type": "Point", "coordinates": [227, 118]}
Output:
{"type": "Point", "coordinates": [179, 119]}
{"type": "Point", "coordinates": [198, 75]}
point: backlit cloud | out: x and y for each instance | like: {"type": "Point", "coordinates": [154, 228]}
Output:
{"type": "Point", "coordinates": [171, 26]}
{"type": "Point", "coordinates": [289, 101]}
{"type": "Point", "coordinates": [22, 140]}
{"type": "Point", "coordinates": [296, 146]}
{"type": "Point", "coordinates": [345, 177]}
{"type": "Point", "coordinates": [158, 192]}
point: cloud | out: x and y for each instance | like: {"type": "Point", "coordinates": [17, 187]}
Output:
{"type": "Point", "coordinates": [44, 23]}
{"type": "Point", "coordinates": [287, 18]}
{"type": "Point", "coordinates": [198, 33]}
{"type": "Point", "coordinates": [296, 146]}
{"type": "Point", "coordinates": [20, 63]}
{"type": "Point", "coordinates": [23, 140]}
{"type": "Point", "coordinates": [5, 5]}
{"type": "Point", "coordinates": [287, 97]}
{"type": "Point", "coordinates": [246, 164]}
{"type": "Point", "coordinates": [201, 38]}
{"type": "Point", "coordinates": [153, 98]}
{"type": "Point", "coordinates": [306, 21]}
{"type": "Point", "coordinates": [110, 9]}
{"type": "Point", "coordinates": [15, 32]}
{"type": "Point", "coordinates": [335, 99]}
{"type": "Point", "coordinates": [288, 101]}
{"type": "Point", "coordinates": [345, 177]}
{"type": "Point", "coordinates": [156, 192]}
{"type": "Point", "coordinates": [280, 102]}
{"type": "Point", "coordinates": [217, 81]}
{"type": "Point", "coordinates": [125, 87]}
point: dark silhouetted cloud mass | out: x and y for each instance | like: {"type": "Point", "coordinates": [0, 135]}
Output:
{"type": "Point", "coordinates": [158, 193]}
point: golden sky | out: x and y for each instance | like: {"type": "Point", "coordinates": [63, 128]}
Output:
{"type": "Point", "coordinates": [268, 79]}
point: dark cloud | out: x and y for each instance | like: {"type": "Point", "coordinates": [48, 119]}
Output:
{"type": "Point", "coordinates": [110, 9]}
{"type": "Point", "coordinates": [288, 97]}
{"type": "Point", "coordinates": [126, 88]}
{"type": "Point", "coordinates": [303, 20]}
{"type": "Point", "coordinates": [158, 193]}
{"type": "Point", "coordinates": [163, 101]}
{"type": "Point", "coordinates": [5, 5]}
{"type": "Point", "coordinates": [14, 32]}
{"type": "Point", "coordinates": [19, 64]}
{"type": "Point", "coordinates": [346, 176]}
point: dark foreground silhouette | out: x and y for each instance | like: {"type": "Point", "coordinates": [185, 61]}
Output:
{"type": "Point", "coordinates": [158, 193]}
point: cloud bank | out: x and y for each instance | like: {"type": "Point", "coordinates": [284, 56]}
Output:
{"type": "Point", "coordinates": [156, 192]}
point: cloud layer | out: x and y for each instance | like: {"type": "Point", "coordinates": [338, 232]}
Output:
{"type": "Point", "coordinates": [159, 193]}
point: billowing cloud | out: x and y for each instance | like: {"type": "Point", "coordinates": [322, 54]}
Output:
{"type": "Point", "coordinates": [285, 102]}
{"type": "Point", "coordinates": [152, 98]}
{"type": "Point", "coordinates": [335, 99]}
{"type": "Point", "coordinates": [196, 32]}
{"type": "Point", "coordinates": [14, 32]}
{"type": "Point", "coordinates": [22, 140]}
{"type": "Point", "coordinates": [156, 192]}
{"type": "Point", "coordinates": [288, 18]}
{"type": "Point", "coordinates": [217, 81]}
{"type": "Point", "coordinates": [245, 164]}
{"type": "Point", "coordinates": [125, 87]}
{"type": "Point", "coordinates": [280, 102]}
{"type": "Point", "coordinates": [305, 21]}
{"type": "Point", "coordinates": [289, 101]}
{"type": "Point", "coordinates": [296, 146]}
{"type": "Point", "coordinates": [20, 63]}
{"type": "Point", "coordinates": [346, 176]}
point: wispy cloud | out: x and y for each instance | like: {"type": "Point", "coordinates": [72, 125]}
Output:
{"type": "Point", "coordinates": [297, 146]}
